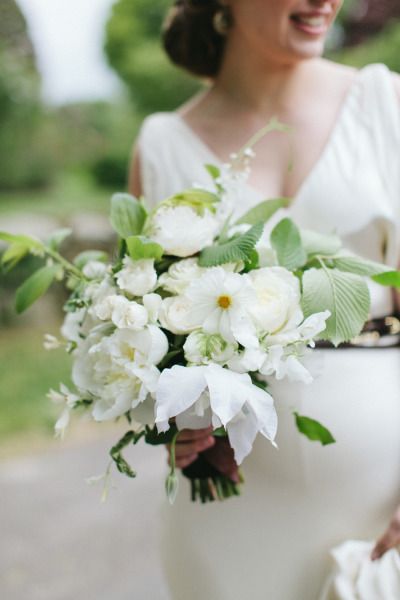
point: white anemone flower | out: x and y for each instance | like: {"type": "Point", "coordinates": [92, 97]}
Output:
{"type": "Point", "coordinates": [234, 402]}
{"type": "Point", "coordinates": [220, 304]}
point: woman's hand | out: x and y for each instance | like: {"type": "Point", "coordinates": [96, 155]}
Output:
{"type": "Point", "coordinates": [217, 451]}
{"type": "Point", "coordinates": [390, 539]}
{"type": "Point", "coordinates": [189, 443]}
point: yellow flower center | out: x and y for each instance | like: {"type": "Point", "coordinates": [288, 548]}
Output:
{"type": "Point", "coordinates": [224, 302]}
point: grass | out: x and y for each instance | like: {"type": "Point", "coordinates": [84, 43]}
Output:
{"type": "Point", "coordinates": [27, 372]}
{"type": "Point", "coordinates": [71, 192]}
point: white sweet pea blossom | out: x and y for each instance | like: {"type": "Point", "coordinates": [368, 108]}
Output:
{"type": "Point", "coordinates": [152, 303]}
{"type": "Point", "coordinates": [69, 399]}
{"type": "Point", "coordinates": [202, 348]}
{"type": "Point", "coordinates": [78, 324]}
{"type": "Point", "coordinates": [138, 277]}
{"type": "Point", "coordinates": [181, 231]}
{"type": "Point", "coordinates": [234, 402]}
{"type": "Point", "coordinates": [278, 299]}
{"type": "Point", "coordinates": [180, 274]}
{"type": "Point", "coordinates": [96, 291]}
{"type": "Point", "coordinates": [174, 315]}
{"type": "Point", "coordinates": [119, 370]}
{"type": "Point", "coordinates": [94, 269]}
{"type": "Point", "coordinates": [124, 313]}
{"type": "Point", "coordinates": [220, 304]}
{"type": "Point", "coordinates": [51, 342]}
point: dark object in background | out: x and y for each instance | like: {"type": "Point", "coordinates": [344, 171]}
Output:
{"type": "Point", "coordinates": [369, 17]}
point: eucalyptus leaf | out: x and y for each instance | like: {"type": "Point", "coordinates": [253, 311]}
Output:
{"type": "Point", "coordinates": [127, 215]}
{"type": "Point", "coordinates": [286, 241]}
{"type": "Point", "coordinates": [358, 265]}
{"type": "Point", "coordinates": [35, 286]}
{"type": "Point", "coordinates": [263, 211]}
{"type": "Point", "coordinates": [318, 243]}
{"type": "Point", "coordinates": [390, 278]}
{"type": "Point", "coordinates": [140, 247]}
{"type": "Point", "coordinates": [240, 248]}
{"type": "Point", "coordinates": [345, 295]}
{"type": "Point", "coordinates": [57, 238]}
{"type": "Point", "coordinates": [88, 256]}
{"type": "Point", "coordinates": [313, 430]}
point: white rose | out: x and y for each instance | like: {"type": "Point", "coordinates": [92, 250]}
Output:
{"type": "Point", "coordinates": [278, 299]}
{"type": "Point", "coordinates": [124, 313]}
{"type": "Point", "coordinates": [137, 277]}
{"type": "Point", "coordinates": [181, 231]}
{"type": "Point", "coordinates": [180, 274]}
{"type": "Point", "coordinates": [174, 314]}
{"type": "Point", "coordinates": [94, 269]}
{"type": "Point", "coordinates": [202, 348]}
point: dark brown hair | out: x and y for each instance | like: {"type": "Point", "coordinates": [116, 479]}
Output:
{"type": "Point", "coordinates": [190, 39]}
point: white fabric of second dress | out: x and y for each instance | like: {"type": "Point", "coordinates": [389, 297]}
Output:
{"type": "Point", "coordinates": [300, 501]}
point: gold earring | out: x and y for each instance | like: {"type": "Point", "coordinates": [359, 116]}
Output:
{"type": "Point", "coordinates": [222, 21]}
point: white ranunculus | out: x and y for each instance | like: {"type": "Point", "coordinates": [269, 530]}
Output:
{"type": "Point", "coordinates": [94, 269]}
{"type": "Point", "coordinates": [180, 274]}
{"type": "Point", "coordinates": [181, 231]}
{"type": "Point", "coordinates": [174, 315]}
{"type": "Point", "coordinates": [220, 304]}
{"type": "Point", "coordinates": [278, 299]}
{"type": "Point", "coordinates": [234, 402]}
{"type": "Point", "coordinates": [138, 277]}
{"type": "Point", "coordinates": [202, 348]}
{"type": "Point", "coordinates": [124, 313]}
{"type": "Point", "coordinates": [119, 370]}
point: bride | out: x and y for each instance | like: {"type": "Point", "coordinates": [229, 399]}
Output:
{"type": "Point", "coordinates": [340, 166]}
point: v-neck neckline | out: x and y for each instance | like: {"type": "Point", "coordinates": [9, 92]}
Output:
{"type": "Point", "coordinates": [317, 165]}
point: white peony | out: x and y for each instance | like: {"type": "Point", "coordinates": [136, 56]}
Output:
{"type": "Point", "coordinates": [119, 370]}
{"type": "Point", "coordinates": [220, 304]}
{"type": "Point", "coordinates": [125, 314]}
{"type": "Point", "coordinates": [278, 299]}
{"type": "Point", "coordinates": [181, 231]}
{"type": "Point", "coordinates": [232, 401]}
{"type": "Point", "coordinates": [180, 274]}
{"type": "Point", "coordinates": [138, 277]}
{"type": "Point", "coordinates": [174, 315]}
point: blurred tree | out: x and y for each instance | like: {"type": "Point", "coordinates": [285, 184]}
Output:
{"type": "Point", "coordinates": [24, 157]}
{"type": "Point", "coordinates": [133, 49]}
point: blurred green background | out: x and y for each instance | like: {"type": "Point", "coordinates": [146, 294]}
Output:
{"type": "Point", "coordinates": [60, 163]}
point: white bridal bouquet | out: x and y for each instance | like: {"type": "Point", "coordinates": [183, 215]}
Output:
{"type": "Point", "coordinates": [184, 328]}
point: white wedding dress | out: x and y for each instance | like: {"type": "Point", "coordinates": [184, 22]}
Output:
{"type": "Point", "coordinates": [298, 502]}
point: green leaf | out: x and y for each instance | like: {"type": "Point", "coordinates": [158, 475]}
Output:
{"type": "Point", "coordinates": [358, 265]}
{"type": "Point", "coordinates": [30, 242]}
{"type": "Point", "coordinates": [35, 286]}
{"type": "Point", "coordinates": [127, 215]}
{"type": "Point", "coordinates": [263, 211]}
{"type": "Point", "coordinates": [116, 454]}
{"type": "Point", "coordinates": [13, 255]}
{"type": "Point", "coordinates": [313, 430]}
{"type": "Point", "coordinates": [214, 171]}
{"type": "Point", "coordinates": [240, 248]}
{"type": "Point", "coordinates": [154, 438]}
{"type": "Point", "coordinates": [318, 243]}
{"type": "Point", "coordinates": [286, 241]}
{"type": "Point", "coordinates": [196, 198]}
{"type": "Point", "coordinates": [57, 238]}
{"type": "Point", "coordinates": [140, 247]}
{"type": "Point", "coordinates": [390, 278]}
{"type": "Point", "coordinates": [345, 295]}
{"type": "Point", "coordinates": [89, 255]}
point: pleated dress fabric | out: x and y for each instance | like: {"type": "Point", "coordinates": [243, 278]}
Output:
{"type": "Point", "coordinates": [300, 501]}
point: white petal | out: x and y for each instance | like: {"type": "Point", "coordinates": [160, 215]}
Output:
{"type": "Point", "coordinates": [295, 371]}
{"type": "Point", "coordinates": [228, 391]}
{"type": "Point", "coordinates": [62, 423]}
{"type": "Point", "coordinates": [178, 389]}
{"type": "Point", "coordinates": [262, 404]}
{"type": "Point", "coordinates": [242, 433]}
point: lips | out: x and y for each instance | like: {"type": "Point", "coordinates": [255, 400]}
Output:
{"type": "Point", "coordinates": [315, 23]}
{"type": "Point", "coordinates": [312, 21]}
